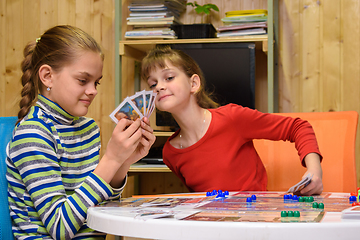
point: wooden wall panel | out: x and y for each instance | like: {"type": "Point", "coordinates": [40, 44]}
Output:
{"type": "Point", "coordinates": [319, 57]}
{"type": "Point", "coordinates": [22, 21]}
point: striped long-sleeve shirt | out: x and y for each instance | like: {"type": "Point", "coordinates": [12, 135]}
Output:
{"type": "Point", "coordinates": [50, 162]}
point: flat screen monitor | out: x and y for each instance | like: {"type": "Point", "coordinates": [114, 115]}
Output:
{"type": "Point", "coordinates": [229, 71]}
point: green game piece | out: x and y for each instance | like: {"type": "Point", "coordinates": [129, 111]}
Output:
{"type": "Point", "coordinates": [321, 205]}
{"type": "Point", "coordinates": [301, 199]}
{"type": "Point", "coordinates": [283, 214]}
{"type": "Point", "coordinates": [311, 199]}
{"type": "Point", "coordinates": [290, 213]}
{"type": "Point", "coordinates": [296, 214]}
{"type": "Point", "coordinates": [315, 205]}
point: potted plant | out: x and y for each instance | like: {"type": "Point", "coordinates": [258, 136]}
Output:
{"type": "Point", "coordinates": [198, 30]}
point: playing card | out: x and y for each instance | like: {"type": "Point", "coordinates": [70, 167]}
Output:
{"type": "Point", "coordinates": [139, 101]}
{"type": "Point", "coordinates": [152, 104]}
{"type": "Point", "coordinates": [300, 185]}
{"type": "Point", "coordinates": [148, 95]}
{"type": "Point", "coordinates": [126, 109]}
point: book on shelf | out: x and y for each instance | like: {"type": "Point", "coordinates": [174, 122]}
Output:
{"type": "Point", "coordinates": [151, 23]}
{"type": "Point", "coordinates": [151, 14]}
{"type": "Point", "coordinates": [242, 26]}
{"type": "Point", "coordinates": [241, 32]}
{"type": "Point", "coordinates": [151, 37]}
{"type": "Point", "coordinates": [156, 18]}
{"type": "Point", "coordinates": [245, 16]}
{"type": "Point", "coordinates": [151, 5]}
{"type": "Point", "coordinates": [246, 12]}
{"type": "Point", "coordinates": [151, 17]}
{"type": "Point", "coordinates": [241, 19]}
{"type": "Point", "coordinates": [151, 33]}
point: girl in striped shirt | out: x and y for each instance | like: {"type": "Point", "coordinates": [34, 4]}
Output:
{"type": "Point", "coordinates": [54, 172]}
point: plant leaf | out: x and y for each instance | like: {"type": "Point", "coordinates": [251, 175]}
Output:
{"type": "Point", "coordinates": [200, 9]}
{"type": "Point", "coordinates": [214, 7]}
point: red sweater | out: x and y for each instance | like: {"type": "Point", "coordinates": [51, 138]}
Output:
{"type": "Point", "coordinates": [225, 157]}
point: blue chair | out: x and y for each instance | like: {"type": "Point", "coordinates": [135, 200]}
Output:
{"type": "Point", "coordinates": [7, 125]}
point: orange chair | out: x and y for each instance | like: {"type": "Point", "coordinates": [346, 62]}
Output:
{"type": "Point", "coordinates": [336, 135]}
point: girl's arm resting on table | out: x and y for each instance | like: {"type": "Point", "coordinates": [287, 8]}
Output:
{"type": "Point", "coordinates": [313, 165]}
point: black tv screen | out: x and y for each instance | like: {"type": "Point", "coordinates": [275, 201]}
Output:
{"type": "Point", "coordinates": [229, 71]}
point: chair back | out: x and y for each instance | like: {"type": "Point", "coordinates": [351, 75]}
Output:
{"type": "Point", "coordinates": [336, 136]}
{"type": "Point", "coordinates": [7, 125]}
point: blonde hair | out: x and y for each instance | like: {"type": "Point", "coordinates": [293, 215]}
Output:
{"type": "Point", "coordinates": [157, 57]}
{"type": "Point", "coordinates": [57, 47]}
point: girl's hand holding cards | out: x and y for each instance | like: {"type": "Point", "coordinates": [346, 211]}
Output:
{"type": "Point", "coordinates": [138, 106]}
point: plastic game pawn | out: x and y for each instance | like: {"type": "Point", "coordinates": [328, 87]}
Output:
{"type": "Point", "coordinates": [352, 199]}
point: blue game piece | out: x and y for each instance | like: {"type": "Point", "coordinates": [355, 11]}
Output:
{"type": "Point", "coordinates": [352, 198]}
{"type": "Point", "coordinates": [249, 200]}
{"type": "Point", "coordinates": [214, 192]}
{"type": "Point", "coordinates": [295, 198]}
{"type": "Point", "coordinates": [286, 197]}
{"type": "Point", "coordinates": [226, 192]}
{"type": "Point", "coordinates": [219, 191]}
{"type": "Point", "coordinates": [208, 194]}
{"type": "Point", "coordinates": [253, 197]}
{"type": "Point", "coordinates": [220, 195]}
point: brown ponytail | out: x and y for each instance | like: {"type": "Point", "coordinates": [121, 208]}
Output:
{"type": "Point", "coordinates": [57, 47]}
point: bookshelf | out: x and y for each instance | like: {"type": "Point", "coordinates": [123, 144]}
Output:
{"type": "Point", "coordinates": [132, 51]}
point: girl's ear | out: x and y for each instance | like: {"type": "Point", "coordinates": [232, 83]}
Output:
{"type": "Point", "coordinates": [45, 75]}
{"type": "Point", "coordinates": [195, 83]}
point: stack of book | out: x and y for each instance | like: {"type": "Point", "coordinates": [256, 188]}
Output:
{"type": "Point", "coordinates": [153, 19]}
{"type": "Point", "coordinates": [244, 22]}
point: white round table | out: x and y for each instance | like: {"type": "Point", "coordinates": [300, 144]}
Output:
{"type": "Point", "coordinates": [118, 222]}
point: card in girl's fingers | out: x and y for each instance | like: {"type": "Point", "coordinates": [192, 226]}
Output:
{"type": "Point", "coordinates": [148, 95]}
{"type": "Point", "coordinates": [126, 109]}
{"type": "Point", "coordinates": [139, 101]}
{"type": "Point", "coordinates": [152, 104]}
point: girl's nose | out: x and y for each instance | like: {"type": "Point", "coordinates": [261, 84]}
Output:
{"type": "Point", "coordinates": [160, 86]}
{"type": "Point", "coordinates": [91, 90]}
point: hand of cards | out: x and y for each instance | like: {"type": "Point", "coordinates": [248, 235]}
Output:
{"type": "Point", "coordinates": [300, 185]}
{"type": "Point", "coordinates": [139, 105]}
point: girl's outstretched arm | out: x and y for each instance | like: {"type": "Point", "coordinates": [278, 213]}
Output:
{"type": "Point", "coordinates": [312, 161]}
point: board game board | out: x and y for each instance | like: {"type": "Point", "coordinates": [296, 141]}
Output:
{"type": "Point", "coordinates": [235, 207]}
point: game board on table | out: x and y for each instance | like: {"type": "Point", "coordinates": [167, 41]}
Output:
{"type": "Point", "coordinates": [234, 207]}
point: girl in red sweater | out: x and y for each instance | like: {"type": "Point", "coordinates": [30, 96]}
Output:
{"type": "Point", "coordinates": [213, 149]}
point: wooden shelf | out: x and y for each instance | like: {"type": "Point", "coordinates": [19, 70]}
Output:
{"type": "Point", "coordinates": [148, 168]}
{"type": "Point", "coordinates": [137, 48]}
{"type": "Point", "coordinates": [163, 134]}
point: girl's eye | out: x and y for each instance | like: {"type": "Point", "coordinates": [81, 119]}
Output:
{"type": "Point", "coordinates": [170, 78]}
{"type": "Point", "coordinates": [152, 86]}
{"type": "Point", "coordinates": [97, 84]}
{"type": "Point", "coordinates": [82, 81]}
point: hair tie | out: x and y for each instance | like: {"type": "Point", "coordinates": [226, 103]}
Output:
{"type": "Point", "coordinates": [38, 39]}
